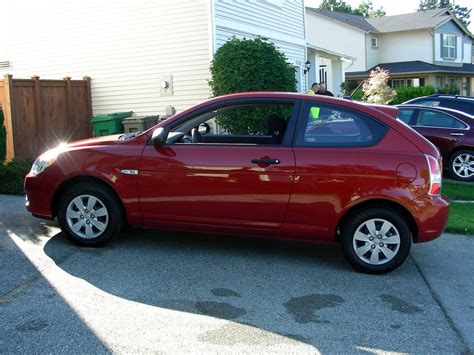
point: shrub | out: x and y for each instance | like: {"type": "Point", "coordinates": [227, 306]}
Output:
{"type": "Point", "coordinates": [451, 90]}
{"type": "Point", "coordinates": [242, 65]}
{"type": "Point", "coordinates": [3, 138]}
{"type": "Point", "coordinates": [376, 89]}
{"type": "Point", "coordinates": [411, 92]}
{"type": "Point", "coordinates": [12, 175]}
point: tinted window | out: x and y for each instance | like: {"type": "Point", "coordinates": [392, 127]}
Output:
{"type": "Point", "coordinates": [438, 119]}
{"type": "Point", "coordinates": [404, 114]}
{"type": "Point", "coordinates": [460, 105]}
{"type": "Point", "coordinates": [325, 126]}
{"type": "Point", "coordinates": [428, 102]}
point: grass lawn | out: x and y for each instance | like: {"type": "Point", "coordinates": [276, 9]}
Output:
{"type": "Point", "coordinates": [461, 215]}
{"type": "Point", "coordinates": [461, 218]}
{"type": "Point", "coordinates": [456, 190]}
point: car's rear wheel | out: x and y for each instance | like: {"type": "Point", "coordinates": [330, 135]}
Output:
{"type": "Point", "coordinates": [461, 165]}
{"type": "Point", "coordinates": [376, 240]}
{"type": "Point", "coordinates": [90, 214]}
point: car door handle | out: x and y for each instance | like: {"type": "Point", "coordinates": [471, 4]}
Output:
{"type": "Point", "coordinates": [456, 134]}
{"type": "Point", "coordinates": [266, 161]}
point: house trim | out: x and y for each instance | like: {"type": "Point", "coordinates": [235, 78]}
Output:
{"type": "Point", "coordinates": [335, 54]}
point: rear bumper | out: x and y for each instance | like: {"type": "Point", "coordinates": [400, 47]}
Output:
{"type": "Point", "coordinates": [38, 198]}
{"type": "Point", "coordinates": [431, 214]}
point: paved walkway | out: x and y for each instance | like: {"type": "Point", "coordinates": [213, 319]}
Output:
{"type": "Point", "coordinates": [154, 291]}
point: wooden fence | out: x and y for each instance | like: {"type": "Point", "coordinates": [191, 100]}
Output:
{"type": "Point", "coordinates": [39, 114]}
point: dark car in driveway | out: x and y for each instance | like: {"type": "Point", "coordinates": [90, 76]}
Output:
{"type": "Point", "coordinates": [322, 170]}
{"type": "Point", "coordinates": [449, 130]}
{"type": "Point", "coordinates": [455, 102]}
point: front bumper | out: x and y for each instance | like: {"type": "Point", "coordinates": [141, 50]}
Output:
{"type": "Point", "coordinates": [431, 215]}
{"type": "Point", "coordinates": [39, 194]}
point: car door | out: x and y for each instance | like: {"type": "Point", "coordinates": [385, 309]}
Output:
{"type": "Point", "coordinates": [335, 165]}
{"type": "Point", "coordinates": [232, 181]}
{"type": "Point", "coordinates": [440, 128]}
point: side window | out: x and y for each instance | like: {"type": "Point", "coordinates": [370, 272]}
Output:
{"type": "Point", "coordinates": [429, 102]}
{"type": "Point", "coordinates": [461, 105]}
{"type": "Point", "coordinates": [405, 114]}
{"type": "Point", "coordinates": [253, 124]}
{"type": "Point", "coordinates": [327, 126]}
{"type": "Point", "coordinates": [438, 119]}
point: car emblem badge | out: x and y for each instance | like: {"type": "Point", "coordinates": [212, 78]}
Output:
{"type": "Point", "coordinates": [129, 172]}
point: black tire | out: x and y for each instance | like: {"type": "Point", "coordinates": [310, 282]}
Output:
{"type": "Point", "coordinates": [113, 221]}
{"type": "Point", "coordinates": [357, 221]}
{"type": "Point", "coordinates": [451, 168]}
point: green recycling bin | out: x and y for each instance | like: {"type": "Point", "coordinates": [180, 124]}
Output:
{"type": "Point", "coordinates": [110, 123]}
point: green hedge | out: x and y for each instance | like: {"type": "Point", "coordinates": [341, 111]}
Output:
{"type": "Point", "coordinates": [412, 92]}
{"type": "Point", "coordinates": [12, 175]}
{"type": "Point", "coordinates": [3, 138]}
{"type": "Point", "coordinates": [249, 65]}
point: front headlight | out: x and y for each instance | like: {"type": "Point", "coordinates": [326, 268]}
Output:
{"type": "Point", "coordinates": [46, 159]}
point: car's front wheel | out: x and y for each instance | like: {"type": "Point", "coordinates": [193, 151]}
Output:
{"type": "Point", "coordinates": [90, 214]}
{"type": "Point", "coordinates": [461, 165]}
{"type": "Point", "coordinates": [376, 240]}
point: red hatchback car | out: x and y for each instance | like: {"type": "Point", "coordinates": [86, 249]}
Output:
{"type": "Point", "coordinates": [276, 165]}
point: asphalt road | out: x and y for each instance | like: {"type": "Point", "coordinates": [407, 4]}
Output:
{"type": "Point", "coordinates": [154, 291]}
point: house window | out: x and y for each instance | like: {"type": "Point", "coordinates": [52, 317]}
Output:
{"type": "Point", "coordinates": [448, 46]}
{"type": "Point", "coordinates": [375, 42]}
{"type": "Point", "coordinates": [398, 83]}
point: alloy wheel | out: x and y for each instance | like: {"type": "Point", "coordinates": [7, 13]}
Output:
{"type": "Point", "coordinates": [463, 165]}
{"type": "Point", "coordinates": [87, 216]}
{"type": "Point", "coordinates": [376, 241]}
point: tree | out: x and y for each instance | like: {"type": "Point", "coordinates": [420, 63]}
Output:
{"type": "Point", "coordinates": [336, 5]}
{"type": "Point", "coordinates": [250, 65]}
{"type": "Point", "coordinates": [461, 12]}
{"type": "Point", "coordinates": [376, 89]}
{"type": "Point", "coordinates": [366, 9]}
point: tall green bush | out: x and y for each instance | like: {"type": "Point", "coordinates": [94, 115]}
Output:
{"type": "Point", "coordinates": [3, 138]}
{"type": "Point", "coordinates": [243, 65]}
{"type": "Point", "coordinates": [411, 92]}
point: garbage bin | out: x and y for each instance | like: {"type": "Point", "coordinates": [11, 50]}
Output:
{"type": "Point", "coordinates": [139, 123]}
{"type": "Point", "coordinates": [110, 123]}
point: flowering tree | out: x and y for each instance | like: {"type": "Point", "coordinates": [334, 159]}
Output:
{"type": "Point", "coordinates": [376, 89]}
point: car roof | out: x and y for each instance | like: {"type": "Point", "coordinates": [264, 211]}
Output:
{"type": "Point", "coordinates": [436, 108]}
{"type": "Point", "coordinates": [444, 96]}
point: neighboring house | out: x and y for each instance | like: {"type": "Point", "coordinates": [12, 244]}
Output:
{"type": "Point", "coordinates": [145, 55]}
{"type": "Point", "coordinates": [421, 48]}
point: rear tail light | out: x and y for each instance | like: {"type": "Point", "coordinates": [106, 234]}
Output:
{"type": "Point", "coordinates": [434, 168]}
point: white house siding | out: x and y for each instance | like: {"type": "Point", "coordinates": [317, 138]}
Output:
{"type": "Point", "coordinates": [126, 47]}
{"type": "Point", "coordinates": [404, 46]}
{"type": "Point", "coordinates": [337, 37]}
{"type": "Point", "coordinates": [281, 21]}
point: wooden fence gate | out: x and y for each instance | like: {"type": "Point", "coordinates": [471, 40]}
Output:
{"type": "Point", "coordinates": [40, 114]}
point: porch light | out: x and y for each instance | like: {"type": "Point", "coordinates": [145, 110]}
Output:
{"type": "Point", "coordinates": [307, 66]}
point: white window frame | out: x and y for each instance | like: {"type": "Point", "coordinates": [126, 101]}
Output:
{"type": "Point", "coordinates": [446, 45]}
{"type": "Point", "coordinates": [374, 42]}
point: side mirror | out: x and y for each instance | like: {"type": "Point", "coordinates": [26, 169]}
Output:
{"type": "Point", "coordinates": [159, 136]}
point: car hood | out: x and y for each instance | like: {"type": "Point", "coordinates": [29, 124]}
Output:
{"type": "Point", "coordinates": [104, 140]}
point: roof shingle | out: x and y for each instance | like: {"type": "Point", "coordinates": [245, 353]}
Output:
{"type": "Point", "coordinates": [405, 22]}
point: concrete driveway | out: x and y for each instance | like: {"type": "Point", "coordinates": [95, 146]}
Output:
{"type": "Point", "coordinates": [152, 291]}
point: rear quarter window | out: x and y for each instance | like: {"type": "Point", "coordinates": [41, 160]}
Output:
{"type": "Point", "coordinates": [460, 105]}
{"type": "Point", "coordinates": [331, 126]}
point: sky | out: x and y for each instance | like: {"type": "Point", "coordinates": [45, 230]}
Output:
{"type": "Point", "coordinates": [396, 7]}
